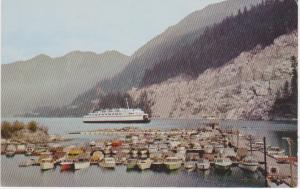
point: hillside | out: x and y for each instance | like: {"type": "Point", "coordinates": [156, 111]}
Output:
{"type": "Point", "coordinates": [165, 45]}
{"type": "Point", "coordinates": [46, 81]}
{"type": "Point", "coordinates": [244, 88]}
{"type": "Point", "coordinates": [223, 42]}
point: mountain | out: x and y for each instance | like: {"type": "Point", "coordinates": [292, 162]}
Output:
{"type": "Point", "coordinates": [244, 88]}
{"type": "Point", "coordinates": [165, 45]}
{"type": "Point", "coordinates": [226, 40]}
{"type": "Point", "coordinates": [46, 81]}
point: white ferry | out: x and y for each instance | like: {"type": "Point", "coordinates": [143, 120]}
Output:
{"type": "Point", "coordinates": [117, 115]}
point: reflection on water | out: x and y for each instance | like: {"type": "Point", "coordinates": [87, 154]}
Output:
{"type": "Point", "coordinates": [12, 175]}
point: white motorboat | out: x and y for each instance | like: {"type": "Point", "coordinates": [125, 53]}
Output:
{"type": "Point", "coordinates": [203, 164]}
{"type": "Point", "coordinates": [81, 164]}
{"type": "Point", "coordinates": [144, 164]}
{"type": "Point", "coordinates": [108, 162]}
{"type": "Point", "coordinates": [219, 148]}
{"type": "Point", "coordinates": [274, 150]}
{"type": "Point", "coordinates": [47, 164]}
{"type": "Point", "coordinates": [208, 149]}
{"type": "Point", "coordinates": [223, 163]}
{"type": "Point", "coordinates": [190, 165]}
{"type": "Point", "coordinates": [249, 163]}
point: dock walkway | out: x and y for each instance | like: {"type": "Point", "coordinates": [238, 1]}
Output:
{"type": "Point", "coordinates": [284, 168]}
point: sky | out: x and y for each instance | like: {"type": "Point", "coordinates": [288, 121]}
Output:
{"type": "Point", "coordinates": [56, 27]}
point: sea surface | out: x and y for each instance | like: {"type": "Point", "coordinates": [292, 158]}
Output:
{"type": "Point", "coordinates": [12, 175]}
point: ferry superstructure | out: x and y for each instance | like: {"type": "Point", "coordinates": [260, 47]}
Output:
{"type": "Point", "coordinates": [120, 115]}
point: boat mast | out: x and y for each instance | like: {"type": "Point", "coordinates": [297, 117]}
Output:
{"type": "Point", "coordinates": [127, 104]}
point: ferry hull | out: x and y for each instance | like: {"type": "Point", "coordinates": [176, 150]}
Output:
{"type": "Point", "coordinates": [116, 121]}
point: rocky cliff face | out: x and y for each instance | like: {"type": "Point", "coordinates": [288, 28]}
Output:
{"type": "Point", "coordinates": [244, 88]}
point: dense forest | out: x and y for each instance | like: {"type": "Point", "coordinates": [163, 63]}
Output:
{"type": "Point", "coordinates": [224, 41]}
{"type": "Point", "coordinates": [285, 105]}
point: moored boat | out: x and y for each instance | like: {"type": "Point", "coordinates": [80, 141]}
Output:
{"type": "Point", "coordinates": [10, 150]}
{"type": "Point", "coordinates": [190, 165]}
{"type": "Point", "coordinates": [81, 164]}
{"type": "Point", "coordinates": [249, 163]}
{"type": "Point", "coordinates": [173, 163]}
{"type": "Point", "coordinates": [223, 164]}
{"type": "Point", "coordinates": [203, 164]}
{"type": "Point", "coordinates": [131, 164]}
{"type": "Point", "coordinates": [108, 162]}
{"type": "Point", "coordinates": [66, 165]}
{"type": "Point", "coordinates": [47, 164]}
{"type": "Point", "coordinates": [144, 164]}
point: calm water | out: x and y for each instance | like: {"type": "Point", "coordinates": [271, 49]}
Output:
{"type": "Point", "coordinates": [12, 175]}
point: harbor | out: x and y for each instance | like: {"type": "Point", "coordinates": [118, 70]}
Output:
{"type": "Point", "coordinates": [204, 150]}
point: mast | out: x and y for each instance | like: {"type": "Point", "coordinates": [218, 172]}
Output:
{"type": "Point", "coordinates": [127, 104]}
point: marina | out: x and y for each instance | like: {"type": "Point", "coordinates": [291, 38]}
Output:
{"type": "Point", "coordinates": [207, 149]}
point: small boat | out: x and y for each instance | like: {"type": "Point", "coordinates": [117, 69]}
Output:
{"type": "Point", "coordinates": [81, 163]}
{"type": "Point", "coordinates": [134, 153]}
{"type": "Point", "coordinates": [47, 164]}
{"type": "Point", "coordinates": [219, 148]}
{"type": "Point", "coordinates": [10, 150]}
{"type": "Point", "coordinates": [27, 163]}
{"type": "Point", "coordinates": [157, 164]}
{"type": "Point", "coordinates": [203, 164]}
{"type": "Point", "coordinates": [20, 148]}
{"type": "Point", "coordinates": [208, 149]}
{"type": "Point", "coordinates": [66, 165]}
{"type": "Point", "coordinates": [131, 164]}
{"type": "Point", "coordinates": [249, 163]}
{"type": "Point", "coordinates": [108, 162]}
{"type": "Point", "coordinates": [172, 163]}
{"type": "Point", "coordinates": [223, 163]}
{"type": "Point", "coordinates": [97, 157]}
{"type": "Point", "coordinates": [144, 164]}
{"type": "Point", "coordinates": [274, 150]}
{"type": "Point", "coordinates": [190, 165]}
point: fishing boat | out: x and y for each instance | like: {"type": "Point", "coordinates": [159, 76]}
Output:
{"type": "Point", "coordinates": [223, 163]}
{"type": "Point", "coordinates": [10, 150]}
{"type": "Point", "coordinates": [120, 115]}
{"type": "Point", "coordinates": [66, 165]}
{"type": "Point", "coordinates": [108, 162]}
{"type": "Point", "coordinates": [143, 164]}
{"type": "Point", "coordinates": [203, 164]}
{"type": "Point", "coordinates": [47, 164]}
{"type": "Point", "coordinates": [131, 164]}
{"type": "Point", "coordinates": [172, 163]}
{"type": "Point", "coordinates": [249, 163]}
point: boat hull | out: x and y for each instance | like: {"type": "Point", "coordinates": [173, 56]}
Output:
{"type": "Point", "coordinates": [107, 165]}
{"type": "Point", "coordinates": [248, 167]}
{"type": "Point", "coordinates": [222, 167]}
{"type": "Point", "coordinates": [173, 166]}
{"type": "Point", "coordinates": [203, 166]}
{"type": "Point", "coordinates": [66, 166]}
{"type": "Point", "coordinates": [47, 166]}
{"type": "Point", "coordinates": [81, 165]}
